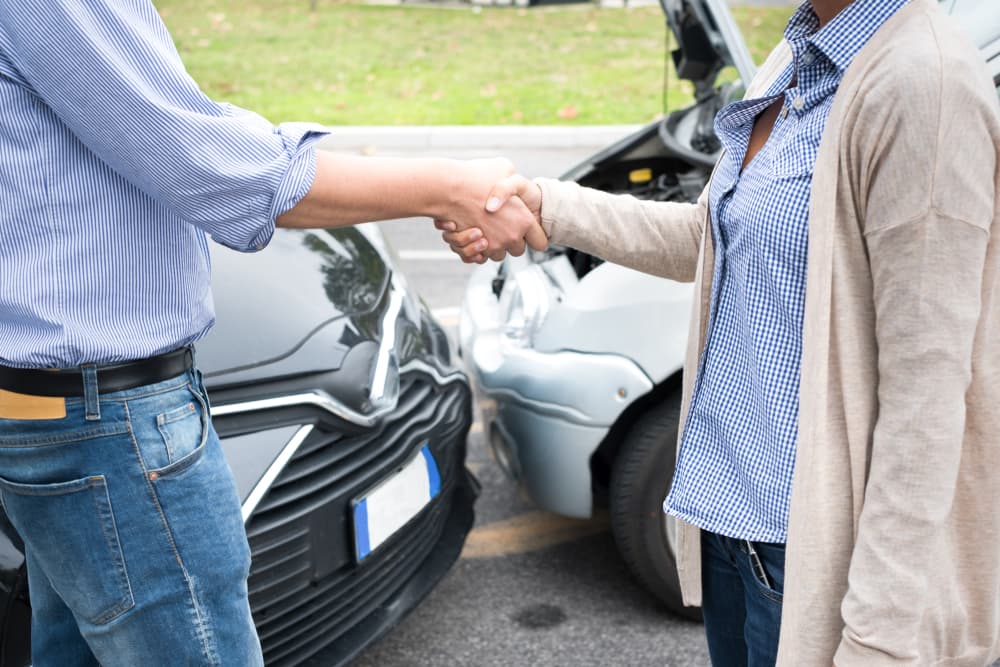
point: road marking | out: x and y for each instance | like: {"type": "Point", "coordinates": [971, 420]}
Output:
{"type": "Point", "coordinates": [447, 317]}
{"type": "Point", "coordinates": [427, 255]}
{"type": "Point", "coordinates": [531, 531]}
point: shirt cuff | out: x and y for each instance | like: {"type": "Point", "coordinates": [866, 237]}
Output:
{"type": "Point", "coordinates": [300, 141]}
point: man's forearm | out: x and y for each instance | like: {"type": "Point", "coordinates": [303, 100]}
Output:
{"type": "Point", "coordinates": [351, 189]}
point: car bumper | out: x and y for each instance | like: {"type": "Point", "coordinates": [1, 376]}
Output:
{"type": "Point", "coordinates": [457, 518]}
{"type": "Point", "coordinates": [313, 600]}
{"type": "Point", "coordinates": [546, 412]}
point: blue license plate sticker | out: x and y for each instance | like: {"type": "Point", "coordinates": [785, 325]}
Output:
{"type": "Point", "coordinates": [381, 512]}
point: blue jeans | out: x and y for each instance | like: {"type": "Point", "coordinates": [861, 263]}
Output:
{"type": "Point", "coordinates": [742, 585]}
{"type": "Point", "coordinates": [135, 546]}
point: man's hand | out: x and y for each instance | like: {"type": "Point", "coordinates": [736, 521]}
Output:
{"type": "Point", "coordinates": [349, 189]}
{"type": "Point", "coordinates": [507, 201]}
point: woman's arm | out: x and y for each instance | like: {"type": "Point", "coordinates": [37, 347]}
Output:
{"type": "Point", "coordinates": [660, 238]}
{"type": "Point", "coordinates": [927, 163]}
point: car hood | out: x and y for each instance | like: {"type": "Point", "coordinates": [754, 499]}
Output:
{"type": "Point", "coordinates": [708, 40]}
{"type": "Point", "coordinates": [291, 304]}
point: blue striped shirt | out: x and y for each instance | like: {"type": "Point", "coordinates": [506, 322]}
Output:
{"type": "Point", "coordinates": [115, 166]}
{"type": "Point", "coordinates": [737, 457]}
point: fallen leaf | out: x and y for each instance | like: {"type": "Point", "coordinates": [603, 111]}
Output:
{"type": "Point", "coordinates": [568, 112]}
{"type": "Point", "coordinates": [517, 115]}
{"type": "Point", "coordinates": [489, 90]}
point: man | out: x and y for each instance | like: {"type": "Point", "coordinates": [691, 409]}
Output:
{"type": "Point", "coordinates": [115, 167]}
{"type": "Point", "coordinates": [845, 329]}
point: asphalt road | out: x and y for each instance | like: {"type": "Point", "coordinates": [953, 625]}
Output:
{"type": "Point", "coordinates": [531, 588]}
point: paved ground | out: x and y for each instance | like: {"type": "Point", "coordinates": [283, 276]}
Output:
{"type": "Point", "coordinates": [531, 588]}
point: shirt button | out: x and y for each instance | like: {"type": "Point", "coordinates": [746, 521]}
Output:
{"type": "Point", "coordinates": [799, 103]}
{"type": "Point", "coordinates": [784, 112]}
{"type": "Point", "coordinates": [259, 246]}
{"type": "Point", "coordinates": [807, 59]}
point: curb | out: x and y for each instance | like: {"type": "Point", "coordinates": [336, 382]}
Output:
{"type": "Point", "coordinates": [440, 137]}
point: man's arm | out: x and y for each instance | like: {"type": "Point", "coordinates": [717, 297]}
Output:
{"type": "Point", "coordinates": [351, 189]}
{"type": "Point", "coordinates": [109, 70]}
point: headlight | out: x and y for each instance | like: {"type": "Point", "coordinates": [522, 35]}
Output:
{"type": "Point", "coordinates": [524, 304]}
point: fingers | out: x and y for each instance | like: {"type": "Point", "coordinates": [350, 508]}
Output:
{"type": "Point", "coordinates": [463, 238]}
{"type": "Point", "coordinates": [537, 238]}
{"type": "Point", "coordinates": [502, 190]}
{"type": "Point", "coordinates": [516, 248]}
{"type": "Point", "coordinates": [445, 225]}
{"type": "Point", "coordinates": [474, 259]}
{"type": "Point", "coordinates": [470, 251]}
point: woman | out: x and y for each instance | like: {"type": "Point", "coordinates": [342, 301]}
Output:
{"type": "Point", "coordinates": [835, 479]}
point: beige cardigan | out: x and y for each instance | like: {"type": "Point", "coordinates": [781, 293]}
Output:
{"type": "Point", "coordinates": [894, 529]}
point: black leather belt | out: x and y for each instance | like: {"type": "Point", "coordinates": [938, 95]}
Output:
{"type": "Point", "coordinates": [111, 378]}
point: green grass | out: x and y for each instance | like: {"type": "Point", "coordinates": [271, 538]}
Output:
{"type": "Point", "coordinates": [353, 64]}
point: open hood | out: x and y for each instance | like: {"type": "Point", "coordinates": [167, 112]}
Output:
{"type": "Point", "coordinates": [708, 40]}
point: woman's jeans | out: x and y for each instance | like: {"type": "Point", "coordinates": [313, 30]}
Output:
{"type": "Point", "coordinates": [135, 545]}
{"type": "Point", "coordinates": [742, 585]}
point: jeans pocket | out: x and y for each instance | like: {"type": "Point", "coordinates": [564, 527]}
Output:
{"type": "Point", "coordinates": [767, 564]}
{"type": "Point", "coordinates": [184, 430]}
{"type": "Point", "coordinates": [178, 427]}
{"type": "Point", "coordinates": [70, 530]}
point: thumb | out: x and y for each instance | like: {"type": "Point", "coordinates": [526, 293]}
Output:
{"type": "Point", "coordinates": [502, 190]}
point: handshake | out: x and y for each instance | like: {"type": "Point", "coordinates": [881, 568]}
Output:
{"type": "Point", "coordinates": [495, 211]}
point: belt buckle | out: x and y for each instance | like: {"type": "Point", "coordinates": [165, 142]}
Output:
{"type": "Point", "coordinates": [31, 408]}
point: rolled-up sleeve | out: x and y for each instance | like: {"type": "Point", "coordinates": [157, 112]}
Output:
{"type": "Point", "coordinates": [111, 73]}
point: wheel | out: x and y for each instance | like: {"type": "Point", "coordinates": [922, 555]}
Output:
{"type": "Point", "coordinates": [640, 478]}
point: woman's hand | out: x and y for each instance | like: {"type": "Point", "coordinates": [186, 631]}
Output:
{"type": "Point", "coordinates": [514, 191]}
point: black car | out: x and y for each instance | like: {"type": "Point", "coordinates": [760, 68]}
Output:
{"type": "Point", "coordinates": [331, 388]}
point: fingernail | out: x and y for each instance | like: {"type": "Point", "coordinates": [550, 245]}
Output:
{"type": "Point", "coordinates": [450, 226]}
{"type": "Point", "coordinates": [492, 204]}
{"type": "Point", "coordinates": [482, 245]}
{"type": "Point", "coordinates": [476, 234]}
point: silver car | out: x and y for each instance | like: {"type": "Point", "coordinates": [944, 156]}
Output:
{"type": "Point", "coordinates": [580, 360]}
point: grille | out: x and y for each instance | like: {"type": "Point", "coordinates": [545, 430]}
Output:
{"type": "Point", "coordinates": [306, 590]}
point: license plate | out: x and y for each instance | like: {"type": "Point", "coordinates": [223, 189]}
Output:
{"type": "Point", "coordinates": [393, 502]}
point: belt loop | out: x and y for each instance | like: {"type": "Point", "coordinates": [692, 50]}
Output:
{"type": "Point", "coordinates": [195, 371]}
{"type": "Point", "coordinates": [91, 397]}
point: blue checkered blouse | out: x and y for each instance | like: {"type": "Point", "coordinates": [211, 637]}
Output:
{"type": "Point", "coordinates": [734, 472]}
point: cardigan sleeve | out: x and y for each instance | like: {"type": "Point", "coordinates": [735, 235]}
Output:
{"type": "Point", "coordinates": [660, 238]}
{"type": "Point", "coordinates": [926, 190]}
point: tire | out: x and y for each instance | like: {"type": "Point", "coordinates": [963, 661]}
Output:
{"type": "Point", "coordinates": [640, 478]}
